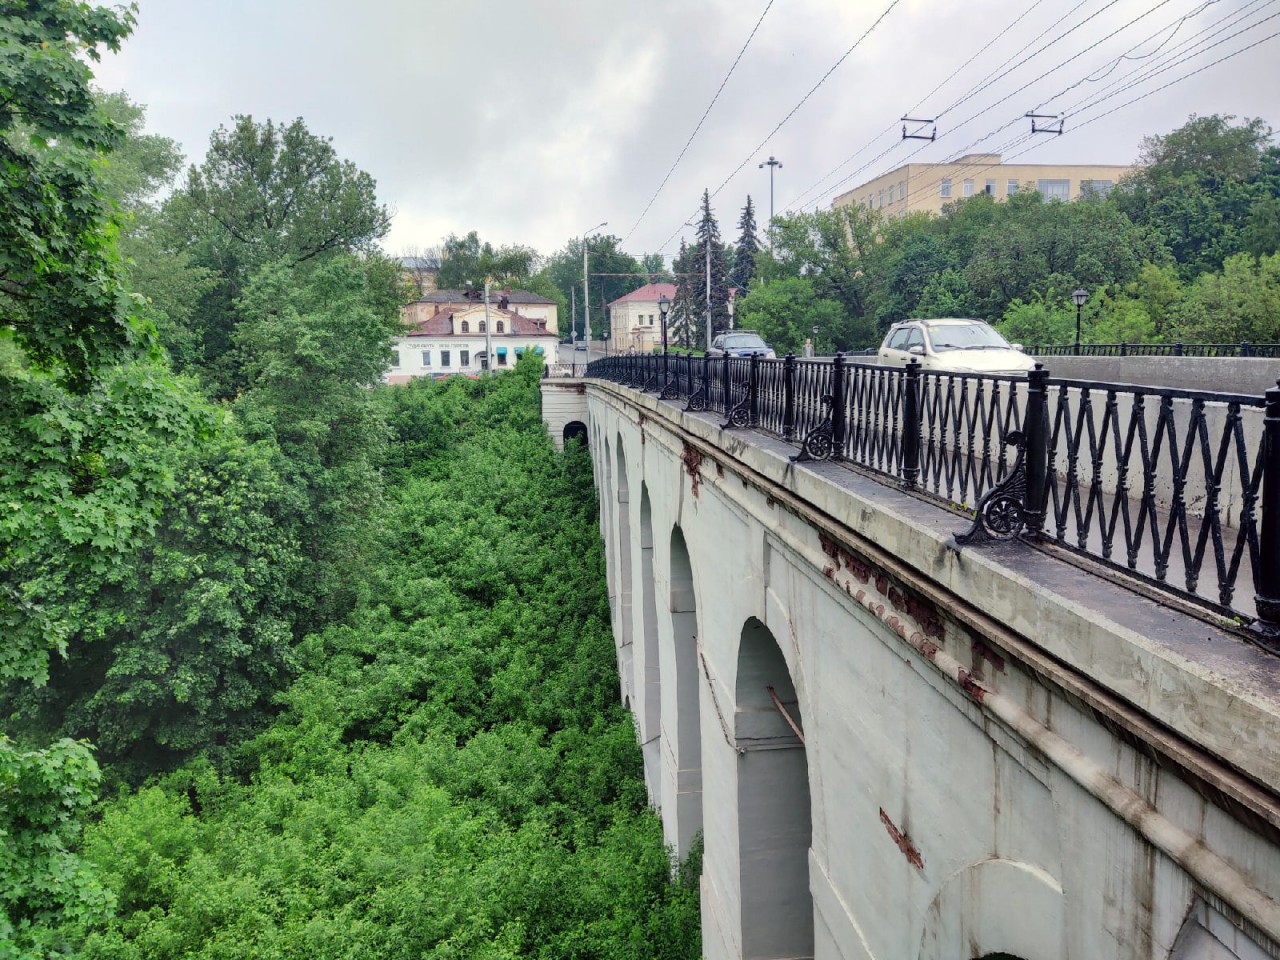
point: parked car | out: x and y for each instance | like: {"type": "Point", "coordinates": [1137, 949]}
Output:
{"type": "Point", "coordinates": [740, 345]}
{"type": "Point", "coordinates": [954, 345]}
{"type": "Point", "coordinates": [580, 344]}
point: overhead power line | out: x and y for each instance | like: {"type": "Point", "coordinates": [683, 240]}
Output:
{"type": "Point", "coordinates": [1023, 87]}
{"type": "Point", "coordinates": [701, 120]}
{"type": "Point", "coordinates": [793, 111]}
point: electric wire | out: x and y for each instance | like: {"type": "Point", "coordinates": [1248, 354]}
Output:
{"type": "Point", "coordinates": [1002, 32]}
{"type": "Point", "coordinates": [701, 120]}
{"type": "Point", "coordinates": [887, 10]}
{"type": "Point", "coordinates": [915, 191]}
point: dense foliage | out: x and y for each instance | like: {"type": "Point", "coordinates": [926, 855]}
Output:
{"type": "Point", "coordinates": [451, 775]}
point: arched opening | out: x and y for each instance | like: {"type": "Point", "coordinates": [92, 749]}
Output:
{"type": "Point", "coordinates": [682, 724]}
{"type": "Point", "coordinates": [622, 613]}
{"type": "Point", "coordinates": [500, 326]}
{"type": "Point", "coordinates": [774, 816]}
{"type": "Point", "coordinates": [466, 327]}
{"type": "Point", "coordinates": [575, 430]}
{"type": "Point", "coordinates": [649, 668]}
{"type": "Point", "coordinates": [482, 326]}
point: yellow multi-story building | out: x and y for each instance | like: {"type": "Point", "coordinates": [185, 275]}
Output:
{"type": "Point", "coordinates": [928, 186]}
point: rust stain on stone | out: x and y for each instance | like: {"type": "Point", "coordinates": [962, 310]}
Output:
{"type": "Point", "coordinates": [902, 841]}
{"type": "Point", "coordinates": [829, 572]}
{"type": "Point", "coordinates": [719, 470]}
{"type": "Point", "coordinates": [642, 438]}
{"type": "Point", "coordinates": [980, 649]}
{"type": "Point", "coordinates": [582, 389]}
{"type": "Point", "coordinates": [882, 583]}
{"type": "Point", "coordinates": [692, 460]}
{"type": "Point", "coordinates": [976, 691]}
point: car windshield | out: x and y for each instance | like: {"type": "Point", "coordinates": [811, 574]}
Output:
{"type": "Point", "coordinates": [966, 336]}
{"type": "Point", "coordinates": [744, 341]}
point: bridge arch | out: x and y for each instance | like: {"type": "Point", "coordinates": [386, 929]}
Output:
{"type": "Point", "coordinates": [622, 585]}
{"type": "Point", "coordinates": [648, 663]}
{"type": "Point", "coordinates": [773, 803]}
{"type": "Point", "coordinates": [682, 723]}
{"type": "Point", "coordinates": [996, 909]}
{"type": "Point", "coordinates": [575, 430]}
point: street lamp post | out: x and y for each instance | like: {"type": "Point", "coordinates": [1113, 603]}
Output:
{"type": "Point", "coordinates": [1080, 296]}
{"type": "Point", "coordinates": [488, 343]}
{"type": "Point", "coordinates": [772, 164]}
{"type": "Point", "coordinates": [663, 306]}
{"type": "Point", "coordinates": [586, 289]}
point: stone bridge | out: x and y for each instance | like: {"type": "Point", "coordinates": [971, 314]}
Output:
{"type": "Point", "coordinates": [894, 748]}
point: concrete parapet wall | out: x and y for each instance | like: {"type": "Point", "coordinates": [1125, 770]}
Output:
{"type": "Point", "coordinates": [1250, 375]}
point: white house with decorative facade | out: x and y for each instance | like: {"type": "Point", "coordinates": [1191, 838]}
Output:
{"type": "Point", "coordinates": [455, 341]}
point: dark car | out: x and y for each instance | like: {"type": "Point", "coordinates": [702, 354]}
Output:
{"type": "Point", "coordinates": [740, 345]}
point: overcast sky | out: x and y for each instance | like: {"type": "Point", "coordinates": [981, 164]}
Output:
{"type": "Point", "coordinates": [531, 120]}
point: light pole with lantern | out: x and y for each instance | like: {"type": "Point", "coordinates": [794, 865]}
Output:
{"type": "Point", "coordinates": [1080, 296]}
{"type": "Point", "coordinates": [586, 291]}
{"type": "Point", "coordinates": [663, 306]}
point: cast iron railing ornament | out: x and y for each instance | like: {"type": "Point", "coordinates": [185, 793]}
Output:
{"type": "Point", "coordinates": [1001, 513]}
{"type": "Point", "coordinates": [698, 398]}
{"type": "Point", "coordinates": [819, 443]}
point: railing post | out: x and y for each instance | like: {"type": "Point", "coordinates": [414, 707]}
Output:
{"type": "Point", "coordinates": [837, 408]}
{"type": "Point", "coordinates": [1177, 349]}
{"type": "Point", "coordinates": [911, 425]}
{"type": "Point", "coordinates": [724, 386]}
{"type": "Point", "coordinates": [1036, 430]}
{"type": "Point", "coordinates": [1244, 348]}
{"type": "Point", "coordinates": [1124, 349]}
{"type": "Point", "coordinates": [789, 397]}
{"type": "Point", "coordinates": [1266, 585]}
{"type": "Point", "coordinates": [753, 388]}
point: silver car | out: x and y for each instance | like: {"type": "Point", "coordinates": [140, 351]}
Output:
{"type": "Point", "coordinates": [955, 345]}
{"type": "Point", "coordinates": [740, 345]}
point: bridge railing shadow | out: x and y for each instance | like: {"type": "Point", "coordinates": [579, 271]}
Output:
{"type": "Point", "coordinates": [1177, 488]}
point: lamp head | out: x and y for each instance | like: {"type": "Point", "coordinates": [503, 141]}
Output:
{"type": "Point", "coordinates": [1080, 296]}
{"type": "Point", "coordinates": [663, 305]}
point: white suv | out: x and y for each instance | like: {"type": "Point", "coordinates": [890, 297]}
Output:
{"type": "Point", "coordinates": [954, 345]}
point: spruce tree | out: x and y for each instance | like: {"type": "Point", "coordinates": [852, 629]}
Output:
{"type": "Point", "coordinates": [709, 235]}
{"type": "Point", "coordinates": [744, 255]}
{"type": "Point", "coordinates": [684, 312]}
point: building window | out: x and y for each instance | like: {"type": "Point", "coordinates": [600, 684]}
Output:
{"type": "Point", "coordinates": [426, 358]}
{"type": "Point", "coordinates": [946, 186]}
{"type": "Point", "coordinates": [464, 358]}
{"type": "Point", "coordinates": [444, 359]}
{"type": "Point", "coordinates": [1010, 188]}
{"type": "Point", "coordinates": [968, 188]}
{"type": "Point", "coordinates": [502, 358]}
{"type": "Point", "coordinates": [902, 189]}
{"type": "Point", "coordinates": [395, 358]}
{"type": "Point", "coordinates": [990, 188]}
{"type": "Point", "coordinates": [891, 193]}
{"type": "Point", "coordinates": [1095, 188]}
{"type": "Point", "coordinates": [466, 327]}
{"type": "Point", "coordinates": [482, 325]}
{"type": "Point", "coordinates": [499, 326]}
{"type": "Point", "coordinates": [881, 203]}
{"type": "Point", "coordinates": [1054, 189]}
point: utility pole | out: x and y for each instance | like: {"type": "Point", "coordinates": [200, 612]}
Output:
{"type": "Point", "coordinates": [771, 163]}
{"type": "Point", "coordinates": [586, 289]}
{"type": "Point", "coordinates": [488, 344]}
{"type": "Point", "coordinates": [708, 289]}
{"type": "Point", "coordinates": [573, 324]}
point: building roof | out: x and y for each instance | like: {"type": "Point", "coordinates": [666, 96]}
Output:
{"type": "Point", "coordinates": [649, 293]}
{"type": "Point", "coordinates": [419, 263]}
{"type": "Point", "coordinates": [517, 324]}
{"type": "Point", "coordinates": [459, 297]}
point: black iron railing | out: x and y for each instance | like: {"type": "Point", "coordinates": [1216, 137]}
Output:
{"type": "Point", "coordinates": [1180, 488]}
{"type": "Point", "coordinates": [1242, 349]}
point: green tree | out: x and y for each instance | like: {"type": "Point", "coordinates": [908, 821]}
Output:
{"type": "Point", "coordinates": [266, 193]}
{"type": "Point", "coordinates": [1240, 303]}
{"type": "Point", "coordinates": [1198, 187]}
{"type": "Point", "coordinates": [466, 259]}
{"type": "Point", "coordinates": [614, 273]}
{"type": "Point", "coordinates": [785, 312]}
{"type": "Point", "coordinates": [744, 253]}
{"type": "Point", "coordinates": [692, 279]}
